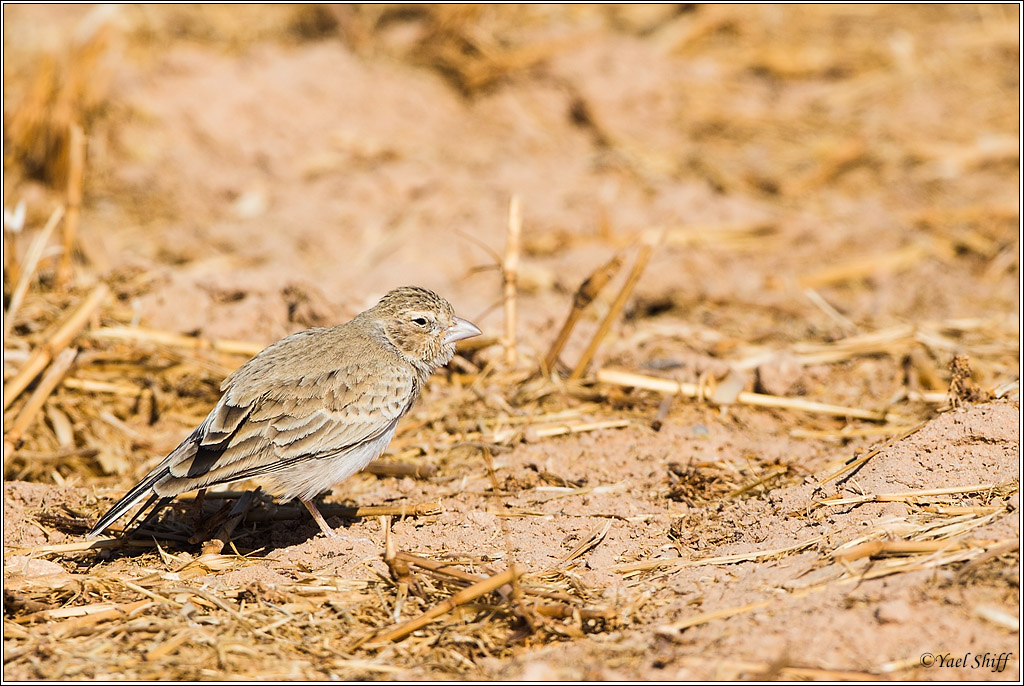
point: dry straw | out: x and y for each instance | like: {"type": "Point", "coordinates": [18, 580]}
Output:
{"type": "Point", "coordinates": [57, 342]}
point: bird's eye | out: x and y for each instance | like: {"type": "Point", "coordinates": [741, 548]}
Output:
{"type": "Point", "coordinates": [419, 321]}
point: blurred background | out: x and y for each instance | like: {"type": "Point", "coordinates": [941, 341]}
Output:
{"type": "Point", "coordinates": [234, 152]}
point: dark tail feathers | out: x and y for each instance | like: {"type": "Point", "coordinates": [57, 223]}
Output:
{"type": "Point", "coordinates": [137, 493]}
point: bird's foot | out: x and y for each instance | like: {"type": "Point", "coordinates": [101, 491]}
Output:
{"type": "Point", "coordinates": [319, 518]}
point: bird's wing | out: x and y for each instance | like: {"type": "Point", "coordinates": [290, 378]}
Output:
{"type": "Point", "coordinates": [262, 425]}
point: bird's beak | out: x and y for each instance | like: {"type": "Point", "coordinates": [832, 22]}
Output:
{"type": "Point", "coordinates": [460, 330]}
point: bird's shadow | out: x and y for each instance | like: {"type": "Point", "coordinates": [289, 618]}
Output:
{"type": "Point", "coordinates": [263, 527]}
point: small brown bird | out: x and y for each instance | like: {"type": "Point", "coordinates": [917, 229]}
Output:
{"type": "Point", "coordinates": [313, 408]}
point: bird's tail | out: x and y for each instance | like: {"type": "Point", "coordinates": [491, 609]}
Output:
{"type": "Point", "coordinates": [138, 492]}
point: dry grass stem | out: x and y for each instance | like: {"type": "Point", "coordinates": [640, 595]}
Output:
{"type": "Point", "coordinates": [541, 550]}
{"type": "Point", "coordinates": [879, 548]}
{"type": "Point", "coordinates": [893, 341]}
{"type": "Point", "coordinates": [105, 614]}
{"type": "Point", "coordinates": [948, 555]}
{"type": "Point", "coordinates": [999, 617]}
{"type": "Point", "coordinates": [635, 567]}
{"type": "Point", "coordinates": [63, 548]}
{"type": "Point", "coordinates": [28, 269]}
{"type": "Point", "coordinates": [13, 224]}
{"type": "Point", "coordinates": [863, 267]}
{"type": "Point", "coordinates": [464, 596]}
{"type": "Point", "coordinates": [546, 493]}
{"type": "Point", "coordinates": [53, 375]}
{"type": "Point", "coordinates": [82, 616]}
{"type": "Point", "coordinates": [533, 433]}
{"type": "Point", "coordinates": [140, 335]}
{"type": "Point", "coordinates": [76, 173]}
{"type": "Point", "coordinates": [760, 481]}
{"type": "Point", "coordinates": [618, 377]}
{"type": "Point", "coordinates": [167, 647]}
{"type": "Point", "coordinates": [990, 554]}
{"type": "Point", "coordinates": [585, 294]}
{"type": "Point", "coordinates": [849, 431]}
{"type": "Point", "coordinates": [955, 510]}
{"type": "Point", "coordinates": [874, 342]}
{"type": "Point", "coordinates": [855, 462]}
{"type": "Point", "coordinates": [94, 386]}
{"type": "Point", "coordinates": [831, 312]}
{"type": "Point", "coordinates": [401, 469]}
{"type": "Point", "coordinates": [677, 627]}
{"type": "Point", "coordinates": [591, 540]}
{"type": "Point", "coordinates": [742, 235]}
{"type": "Point", "coordinates": [650, 241]}
{"type": "Point", "coordinates": [439, 567]}
{"type": "Point", "coordinates": [546, 418]}
{"type": "Point", "coordinates": [510, 274]}
{"type": "Point", "coordinates": [60, 340]}
{"type": "Point", "coordinates": [914, 496]}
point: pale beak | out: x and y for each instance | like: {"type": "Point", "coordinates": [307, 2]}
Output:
{"type": "Point", "coordinates": [460, 330]}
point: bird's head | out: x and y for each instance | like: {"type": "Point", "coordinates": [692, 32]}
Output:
{"type": "Point", "coordinates": [422, 326]}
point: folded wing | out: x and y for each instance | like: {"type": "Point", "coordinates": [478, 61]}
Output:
{"type": "Point", "coordinates": [264, 425]}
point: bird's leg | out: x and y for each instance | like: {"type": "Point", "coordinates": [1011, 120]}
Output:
{"type": "Point", "coordinates": [328, 531]}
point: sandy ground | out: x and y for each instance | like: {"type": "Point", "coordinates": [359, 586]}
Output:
{"type": "Point", "coordinates": [821, 174]}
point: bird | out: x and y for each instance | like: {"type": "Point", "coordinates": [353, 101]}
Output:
{"type": "Point", "coordinates": [314, 408]}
